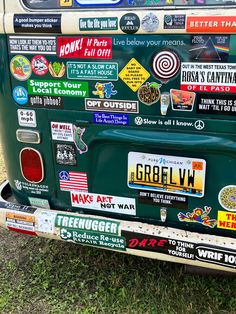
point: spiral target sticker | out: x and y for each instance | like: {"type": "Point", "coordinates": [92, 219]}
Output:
{"type": "Point", "coordinates": [166, 65]}
{"type": "Point", "coordinates": [227, 197]}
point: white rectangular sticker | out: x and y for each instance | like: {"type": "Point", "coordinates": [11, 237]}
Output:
{"type": "Point", "coordinates": [208, 77]}
{"type": "Point", "coordinates": [98, 2]}
{"type": "Point", "coordinates": [172, 174]}
{"type": "Point", "coordinates": [62, 131]}
{"type": "Point", "coordinates": [46, 45]}
{"type": "Point", "coordinates": [27, 118]}
{"type": "Point", "coordinates": [106, 203]}
{"type": "Point", "coordinates": [46, 222]}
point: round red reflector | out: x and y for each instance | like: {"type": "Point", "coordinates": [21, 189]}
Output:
{"type": "Point", "coordinates": [31, 165]}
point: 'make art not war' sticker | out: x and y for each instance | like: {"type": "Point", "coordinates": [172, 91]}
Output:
{"type": "Point", "coordinates": [107, 203]}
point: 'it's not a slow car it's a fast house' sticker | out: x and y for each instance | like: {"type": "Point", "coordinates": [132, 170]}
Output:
{"type": "Point", "coordinates": [178, 175]}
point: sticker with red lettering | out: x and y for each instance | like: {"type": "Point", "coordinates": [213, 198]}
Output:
{"type": "Point", "coordinates": [20, 222]}
{"type": "Point", "coordinates": [208, 77]}
{"type": "Point", "coordinates": [62, 131]}
{"type": "Point", "coordinates": [106, 203]}
{"type": "Point", "coordinates": [39, 65]}
{"type": "Point", "coordinates": [85, 47]}
{"type": "Point", "coordinates": [226, 220]}
{"type": "Point", "coordinates": [147, 242]}
{"type": "Point", "coordinates": [211, 24]}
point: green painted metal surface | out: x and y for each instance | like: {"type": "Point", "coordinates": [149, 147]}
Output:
{"type": "Point", "coordinates": [103, 147]}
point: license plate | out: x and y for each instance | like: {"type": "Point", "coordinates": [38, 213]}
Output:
{"type": "Point", "coordinates": [172, 174]}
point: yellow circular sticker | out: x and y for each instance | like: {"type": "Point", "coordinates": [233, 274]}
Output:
{"type": "Point", "coordinates": [227, 197]}
{"type": "Point", "coordinates": [20, 68]}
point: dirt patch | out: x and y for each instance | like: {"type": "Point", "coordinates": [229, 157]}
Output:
{"type": "Point", "coordinates": [3, 174]}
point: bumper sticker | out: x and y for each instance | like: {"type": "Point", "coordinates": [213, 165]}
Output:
{"type": "Point", "coordinates": [106, 203]}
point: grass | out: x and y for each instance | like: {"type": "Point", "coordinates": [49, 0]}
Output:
{"type": "Point", "coordinates": [43, 276]}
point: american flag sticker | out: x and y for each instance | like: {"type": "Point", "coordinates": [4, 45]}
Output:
{"type": "Point", "coordinates": [73, 181]}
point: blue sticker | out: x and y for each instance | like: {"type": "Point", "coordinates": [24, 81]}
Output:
{"type": "Point", "coordinates": [20, 95]}
{"type": "Point", "coordinates": [64, 175]}
{"type": "Point", "coordinates": [104, 90]}
{"type": "Point", "coordinates": [111, 118]}
{"type": "Point", "coordinates": [95, 3]}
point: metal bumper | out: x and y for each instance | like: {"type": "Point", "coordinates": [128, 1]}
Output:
{"type": "Point", "coordinates": [141, 239]}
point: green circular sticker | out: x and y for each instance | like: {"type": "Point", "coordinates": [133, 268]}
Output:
{"type": "Point", "coordinates": [20, 68]}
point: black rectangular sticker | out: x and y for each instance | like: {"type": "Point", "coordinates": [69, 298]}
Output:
{"type": "Point", "coordinates": [49, 102]}
{"type": "Point", "coordinates": [209, 48]}
{"type": "Point", "coordinates": [37, 23]}
{"type": "Point", "coordinates": [18, 208]}
{"type": "Point", "coordinates": [65, 154]}
{"type": "Point", "coordinates": [163, 199]}
{"type": "Point", "coordinates": [216, 256]}
{"type": "Point", "coordinates": [144, 242]}
{"type": "Point", "coordinates": [216, 104]}
{"type": "Point", "coordinates": [180, 249]}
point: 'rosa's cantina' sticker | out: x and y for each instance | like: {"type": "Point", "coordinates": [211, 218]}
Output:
{"type": "Point", "coordinates": [20, 68]}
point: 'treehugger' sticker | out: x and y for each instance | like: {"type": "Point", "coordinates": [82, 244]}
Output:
{"type": "Point", "coordinates": [80, 223]}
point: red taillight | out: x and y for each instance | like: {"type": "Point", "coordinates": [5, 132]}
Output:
{"type": "Point", "coordinates": [31, 165]}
